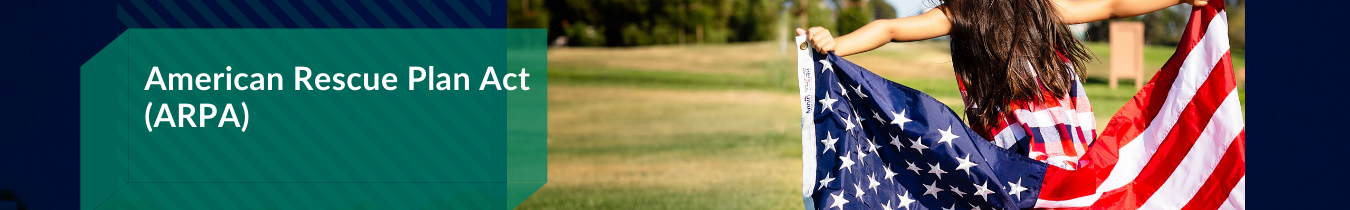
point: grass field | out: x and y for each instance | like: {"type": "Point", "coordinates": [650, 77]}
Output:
{"type": "Point", "coordinates": [713, 127]}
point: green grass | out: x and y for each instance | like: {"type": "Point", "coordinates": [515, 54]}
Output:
{"type": "Point", "coordinates": [741, 191]}
{"type": "Point", "coordinates": [663, 79]}
{"type": "Point", "coordinates": [1154, 58]}
{"type": "Point", "coordinates": [764, 197]}
{"type": "Point", "coordinates": [633, 135]}
{"type": "Point", "coordinates": [674, 146]}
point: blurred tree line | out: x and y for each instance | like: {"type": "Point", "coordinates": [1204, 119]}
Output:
{"type": "Point", "coordinates": [635, 23]}
{"type": "Point", "coordinates": [655, 22]}
{"type": "Point", "coordinates": [1164, 27]}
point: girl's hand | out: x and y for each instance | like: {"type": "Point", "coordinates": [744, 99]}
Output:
{"type": "Point", "coordinates": [820, 38]}
{"type": "Point", "coordinates": [1198, 3]}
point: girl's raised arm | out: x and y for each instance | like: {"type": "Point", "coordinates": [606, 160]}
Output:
{"type": "Point", "coordinates": [1082, 11]}
{"type": "Point", "coordinates": [871, 36]}
{"type": "Point", "coordinates": [934, 23]}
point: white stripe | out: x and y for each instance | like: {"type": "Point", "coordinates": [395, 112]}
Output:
{"type": "Point", "coordinates": [806, 87]}
{"type": "Point", "coordinates": [1009, 136]}
{"type": "Point", "coordinates": [1040, 119]}
{"type": "Point", "coordinates": [1043, 118]}
{"type": "Point", "coordinates": [1237, 199]}
{"type": "Point", "coordinates": [1089, 122]}
{"type": "Point", "coordinates": [1135, 154]}
{"type": "Point", "coordinates": [1071, 116]}
{"type": "Point", "coordinates": [1200, 162]}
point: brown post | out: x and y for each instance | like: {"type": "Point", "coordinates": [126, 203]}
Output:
{"type": "Point", "coordinates": [1127, 52]}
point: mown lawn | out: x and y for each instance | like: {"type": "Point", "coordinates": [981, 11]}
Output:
{"type": "Point", "coordinates": [714, 127]}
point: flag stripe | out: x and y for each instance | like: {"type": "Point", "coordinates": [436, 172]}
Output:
{"type": "Point", "coordinates": [1237, 198]}
{"type": "Point", "coordinates": [1191, 38]}
{"type": "Point", "coordinates": [1170, 150]}
{"type": "Point", "coordinates": [1133, 158]}
{"type": "Point", "coordinates": [1133, 154]}
{"type": "Point", "coordinates": [1115, 162]}
{"type": "Point", "coordinates": [1204, 156]}
{"type": "Point", "coordinates": [1226, 178]}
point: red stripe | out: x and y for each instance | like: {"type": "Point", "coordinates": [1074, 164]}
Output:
{"type": "Point", "coordinates": [1065, 140]}
{"type": "Point", "coordinates": [1190, 124]}
{"type": "Point", "coordinates": [1128, 122]}
{"type": "Point", "coordinates": [1195, 31]}
{"type": "Point", "coordinates": [1070, 208]}
{"type": "Point", "coordinates": [1226, 175]}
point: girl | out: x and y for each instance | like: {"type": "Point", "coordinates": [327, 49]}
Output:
{"type": "Point", "coordinates": [1016, 64]}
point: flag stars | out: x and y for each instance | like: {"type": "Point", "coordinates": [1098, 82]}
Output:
{"type": "Point", "coordinates": [1015, 188]}
{"type": "Point", "coordinates": [895, 140]}
{"type": "Point", "coordinates": [947, 136]}
{"type": "Point", "coordinates": [958, 191]}
{"type": "Point", "coordinates": [872, 145]}
{"type": "Point", "coordinates": [965, 164]}
{"type": "Point", "coordinates": [839, 200]}
{"type": "Point", "coordinates": [827, 65]}
{"type": "Point", "coordinates": [889, 173]}
{"type": "Point", "coordinates": [861, 156]}
{"type": "Point", "coordinates": [858, 192]}
{"type": "Point", "coordinates": [829, 143]}
{"type": "Point", "coordinates": [905, 200]}
{"type": "Point", "coordinates": [926, 136]}
{"type": "Point", "coordinates": [857, 118]}
{"type": "Point", "coordinates": [843, 91]}
{"type": "Point", "coordinates": [872, 183]}
{"type": "Point", "coordinates": [848, 124]}
{"type": "Point", "coordinates": [982, 190]}
{"type": "Point", "coordinates": [848, 161]}
{"type": "Point", "coordinates": [858, 89]}
{"type": "Point", "coordinates": [914, 168]}
{"type": "Point", "coordinates": [827, 102]}
{"type": "Point", "coordinates": [932, 189]}
{"type": "Point", "coordinates": [825, 182]}
{"type": "Point", "coordinates": [917, 145]}
{"type": "Point", "coordinates": [936, 169]}
{"type": "Point", "coordinates": [900, 119]}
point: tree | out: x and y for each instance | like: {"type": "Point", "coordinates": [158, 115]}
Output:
{"type": "Point", "coordinates": [853, 14]}
{"type": "Point", "coordinates": [633, 23]}
{"type": "Point", "coordinates": [882, 10]}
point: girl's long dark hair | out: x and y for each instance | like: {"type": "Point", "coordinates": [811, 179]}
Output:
{"type": "Point", "coordinates": [998, 44]}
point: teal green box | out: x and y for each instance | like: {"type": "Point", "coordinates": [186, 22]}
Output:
{"type": "Point", "coordinates": [313, 149]}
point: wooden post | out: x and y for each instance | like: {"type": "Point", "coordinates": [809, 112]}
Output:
{"type": "Point", "coordinates": [1127, 52]}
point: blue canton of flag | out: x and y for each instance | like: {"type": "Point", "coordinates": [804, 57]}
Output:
{"type": "Point", "coordinates": [870, 143]}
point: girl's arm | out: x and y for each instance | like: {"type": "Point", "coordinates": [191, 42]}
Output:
{"type": "Point", "coordinates": [1082, 11]}
{"type": "Point", "coordinates": [934, 23]}
{"type": "Point", "coordinates": [871, 36]}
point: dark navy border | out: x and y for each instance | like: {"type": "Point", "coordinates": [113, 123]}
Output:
{"type": "Point", "coordinates": [1297, 97]}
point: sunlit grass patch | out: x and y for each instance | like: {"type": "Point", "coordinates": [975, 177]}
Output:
{"type": "Point", "coordinates": [715, 127]}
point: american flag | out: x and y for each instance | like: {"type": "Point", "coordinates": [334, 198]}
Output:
{"type": "Point", "coordinates": [1180, 143]}
{"type": "Point", "coordinates": [870, 143]}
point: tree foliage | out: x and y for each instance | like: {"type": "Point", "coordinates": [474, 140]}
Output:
{"type": "Point", "coordinates": [633, 23]}
{"type": "Point", "coordinates": [636, 23]}
{"type": "Point", "coordinates": [1164, 27]}
{"type": "Point", "coordinates": [853, 14]}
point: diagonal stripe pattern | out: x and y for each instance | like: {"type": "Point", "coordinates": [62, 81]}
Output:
{"type": "Point", "coordinates": [311, 14]}
{"type": "Point", "coordinates": [1179, 143]}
